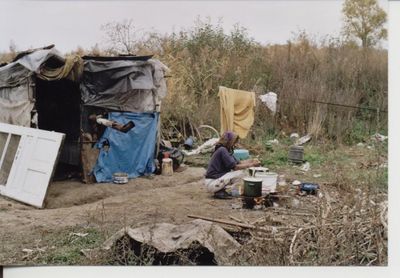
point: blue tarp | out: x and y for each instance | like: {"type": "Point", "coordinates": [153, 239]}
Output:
{"type": "Point", "coordinates": [131, 152]}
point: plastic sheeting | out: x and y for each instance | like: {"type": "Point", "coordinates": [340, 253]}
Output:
{"type": "Point", "coordinates": [16, 72]}
{"type": "Point", "coordinates": [13, 75]}
{"type": "Point", "coordinates": [15, 105]}
{"type": "Point", "coordinates": [270, 100]}
{"type": "Point", "coordinates": [125, 85]}
{"type": "Point", "coordinates": [131, 152]}
{"type": "Point", "coordinates": [167, 238]}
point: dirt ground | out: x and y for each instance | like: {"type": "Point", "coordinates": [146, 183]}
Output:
{"type": "Point", "coordinates": [110, 207]}
{"type": "Point", "coordinates": [80, 216]}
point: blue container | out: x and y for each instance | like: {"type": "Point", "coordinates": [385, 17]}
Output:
{"type": "Point", "coordinates": [241, 154]}
{"type": "Point", "coordinates": [188, 144]}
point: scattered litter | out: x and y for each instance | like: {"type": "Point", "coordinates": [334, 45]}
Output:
{"type": "Point", "coordinates": [317, 175]}
{"type": "Point", "coordinates": [30, 253]}
{"type": "Point", "coordinates": [360, 144]}
{"type": "Point", "coordinates": [304, 139]}
{"type": "Point", "coordinates": [294, 137]}
{"type": "Point", "coordinates": [79, 234]}
{"type": "Point", "coordinates": [236, 206]}
{"type": "Point", "coordinates": [282, 180]}
{"type": "Point", "coordinates": [370, 147]}
{"type": "Point", "coordinates": [89, 253]}
{"type": "Point", "coordinates": [166, 143]}
{"type": "Point", "coordinates": [305, 167]}
{"type": "Point", "coordinates": [379, 137]}
{"type": "Point", "coordinates": [120, 178]}
{"type": "Point", "coordinates": [295, 203]}
{"type": "Point", "coordinates": [208, 146]}
{"type": "Point", "coordinates": [309, 188]}
{"type": "Point", "coordinates": [274, 141]}
{"type": "Point", "coordinates": [296, 183]}
{"type": "Point", "coordinates": [269, 100]}
{"type": "Point", "coordinates": [383, 165]}
{"type": "Point", "coordinates": [188, 144]}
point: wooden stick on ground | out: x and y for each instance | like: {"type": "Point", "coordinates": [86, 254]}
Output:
{"type": "Point", "coordinates": [236, 219]}
{"type": "Point", "coordinates": [222, 221]}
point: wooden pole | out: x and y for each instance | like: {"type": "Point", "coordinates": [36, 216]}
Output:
{"type": "Point", "coordinates": [222, 221]}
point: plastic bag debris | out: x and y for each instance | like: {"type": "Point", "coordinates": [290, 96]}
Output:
{"type": "Point", "coordinates": [305, 167]}
{"type": "Point", "coordinates": [303, 140]}
{"type": "Point", "coordinates": [270, 100]}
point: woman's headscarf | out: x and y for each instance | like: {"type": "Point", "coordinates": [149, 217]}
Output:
{"type": "Point", "coordinates": [228, 140]}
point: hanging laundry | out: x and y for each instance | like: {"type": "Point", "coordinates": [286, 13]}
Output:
{"type": "Point", "coordinates": [236, 110]}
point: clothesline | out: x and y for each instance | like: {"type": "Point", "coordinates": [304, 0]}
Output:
{"type": "Point", "coordinates": [341, 105]}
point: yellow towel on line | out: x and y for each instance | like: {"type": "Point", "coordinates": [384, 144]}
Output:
{"type": "Point", "coordinates": [236, 110]}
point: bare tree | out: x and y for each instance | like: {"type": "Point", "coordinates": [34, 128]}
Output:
{"type": "Point", "coordinates": [122, 36]}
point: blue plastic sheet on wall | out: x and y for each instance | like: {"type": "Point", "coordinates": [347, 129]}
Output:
{"type": "Point", "coordinates": [131, 152]}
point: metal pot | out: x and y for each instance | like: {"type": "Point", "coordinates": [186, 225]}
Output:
{"type": "Point", "coordinates": [120, 178]}
{"type": "Point", "coordinates": [252, 187]}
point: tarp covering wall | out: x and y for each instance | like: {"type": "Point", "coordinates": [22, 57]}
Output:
{"type": "Point", "coordinates": [131, 152]}
{"type": "Point", "coordinates": [13, 75]}
{"type": "Point", "coordinates": [125, 85]}
{"type": "Point", "coordinates": [16, 105]}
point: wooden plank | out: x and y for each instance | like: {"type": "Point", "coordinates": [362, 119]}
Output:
{"type": "Point", "coordinates": [222, 221]}
{"type": "Point", "coordinates": [89, 157]}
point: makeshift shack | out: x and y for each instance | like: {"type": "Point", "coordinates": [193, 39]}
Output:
{"type": "Point", "coordinates": [41, 89]}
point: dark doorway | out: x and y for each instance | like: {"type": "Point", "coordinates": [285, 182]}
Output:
{"type": "Point", "coordinates": [58, 108]}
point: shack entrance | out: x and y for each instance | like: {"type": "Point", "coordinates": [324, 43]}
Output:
{"type": "Point", "coordinates": [58, 109]}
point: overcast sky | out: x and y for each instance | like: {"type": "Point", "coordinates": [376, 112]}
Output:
{"type": "Point", "coordinates": [69, 24]}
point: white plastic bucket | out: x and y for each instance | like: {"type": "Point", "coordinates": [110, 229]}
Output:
{"type": "Point", "coordinates": [253, 170]}
{"type": "Point", "coordinates": [269, 181]}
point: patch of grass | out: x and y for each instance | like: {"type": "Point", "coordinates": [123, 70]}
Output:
{"type": "Point", "coordinates": [66, 247]}
{"type": "Point", "coordinates": [314, 155]}
{"type": "Point", "coordinates": [277, 157]}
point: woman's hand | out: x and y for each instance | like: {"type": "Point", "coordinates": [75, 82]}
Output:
{"type": "Point", "coordinates": [247, 164]}
{"type": "Point", "coordinates": [256, 162]}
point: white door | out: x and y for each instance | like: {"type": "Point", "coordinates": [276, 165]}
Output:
{"type": "Point", "coordinates": [27, 160]}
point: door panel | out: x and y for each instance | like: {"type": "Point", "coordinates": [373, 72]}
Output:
{"type": "Point", "coordinates": [33, 163]}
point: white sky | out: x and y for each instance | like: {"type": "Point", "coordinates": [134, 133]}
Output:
{"type": "Point", "coordinates": [69, 24]}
